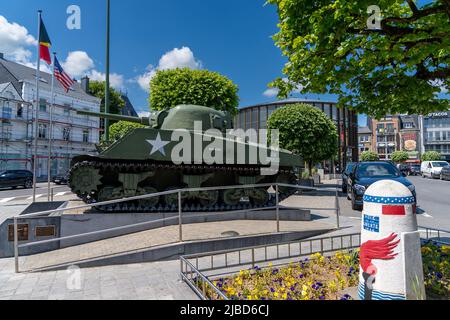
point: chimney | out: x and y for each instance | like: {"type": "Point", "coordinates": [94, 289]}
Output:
{"type": "Point", "coordinates": [85, 84]}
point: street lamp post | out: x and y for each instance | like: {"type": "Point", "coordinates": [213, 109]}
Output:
{"type": "Point", "coordinates": [107, 93]}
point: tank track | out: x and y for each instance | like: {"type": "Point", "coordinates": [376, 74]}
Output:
{"type": "Point", "coordinates": [137, 167]}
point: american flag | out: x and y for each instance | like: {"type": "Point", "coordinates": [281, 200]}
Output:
{"type": "Point", "coordinates": [62, 76]}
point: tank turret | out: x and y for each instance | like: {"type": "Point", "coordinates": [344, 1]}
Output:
{"type": "Point", "coordinates": [180, 117]}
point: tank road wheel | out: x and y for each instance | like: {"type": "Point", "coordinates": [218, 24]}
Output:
{"type": "Point", "coordinates": [109, 193]}
{"type": "Point", "coordinates": [232, 197]}
{"type": "Point", "coordinates": [287, 179]}
{"type": "Point", "coordinates": [147, 202]}
{"type": "Point", "coordinates": [208, 198]}
{"type": "Point", "coordinates": [259, 196]}
{"type": "Point", "coordinates": [171, 200]}
{"type": "Point", "coordinates": [84, 179]}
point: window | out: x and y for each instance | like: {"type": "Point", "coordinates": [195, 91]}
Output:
{"type": "Point", "coordinates": [67, 109]}
{"type": "Point", "coordinates": [19, 111]}
{"type": "Point", "coordinates": [43, 105]}
{"type": "Point", "coordinates": [66, 134]}
{"type": "Point", "coordinates": [408, 125]}
{"type": "Point", "coordinates": [86, 136]}
{"type": "Point", "coordinates": [42, 131]}
{"type": "Point", "coordinates": [6, 114]}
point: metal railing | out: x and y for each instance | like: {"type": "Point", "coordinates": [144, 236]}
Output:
{"type": "Point", "coordinates": [193, 268]}
{"type": "Point", "coordinates": [180, 192]}
{"type": "Point", "coordinates": [193, 274]}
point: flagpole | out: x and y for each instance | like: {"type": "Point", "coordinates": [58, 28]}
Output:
{"type": "Point", "coordinates": [50, 136]}
{"type": "Point", "coordinates": [107, 93]}
{"type": "Point", "coordinates": [36, 117]}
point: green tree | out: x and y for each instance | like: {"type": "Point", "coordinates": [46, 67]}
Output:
{"type": "Point", "coordinates": [400, 156]}
{"type": "Point", "coordinates": [399, 68]}
{"type": "Point", "coordinates": [369, 156]}
{"type": "Point", "coordinates": [305, 131]}
{"type": "Point", "coordinates": [170, 88]}
{"type": "Point", "coordinates": [121, 128]}
{"type": "Point", "coordinates": [97, 89]}
{"type": "Point", "coordinates": [431, 156]}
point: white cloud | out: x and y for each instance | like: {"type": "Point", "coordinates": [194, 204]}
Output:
{"type": "Point", "coordinates": [176, 58]}
{"type": "Point", "coordinates": [271, 92]}
{"type": "Point", "coordinates": [116, 80]}
{"type": "Point", "coordinates": [15, 41]}
{"type": "Point", "coordinates": [179, 58]}
{"type": "Point", "coordinates": [78, 63]}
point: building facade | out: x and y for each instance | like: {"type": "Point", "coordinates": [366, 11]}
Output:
{"type": "Point", "coordinates": [365, 139]}
{"type": "Point", "coordinates": [71, 134]}
{"type": "Point", "coordinates": [410, 137]}
{"type": "Point", "coordinates": [386, 136]}
{"type": "Point", "coordinates": [436, 133]}
{"type": "Point", "coordinates": [255, 117]}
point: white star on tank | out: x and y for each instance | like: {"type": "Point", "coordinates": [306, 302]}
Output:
{"type": "Point", "coordinates": [158, 145]}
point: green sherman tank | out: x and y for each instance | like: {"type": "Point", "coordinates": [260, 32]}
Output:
{"type": "Point", "coordinates": [185, 147]}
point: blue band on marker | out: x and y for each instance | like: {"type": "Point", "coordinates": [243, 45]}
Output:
{"type": "Point", "coordinates": [389, 200]}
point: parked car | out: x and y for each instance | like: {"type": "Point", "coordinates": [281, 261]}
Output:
{"type": "Point", "coordinates": [364, 174]}
{"type": "Point", "coordinates": [61, 179]}
{"type": "Point", "coordinates": [445, 173]}
{"type": "Point", "coordinates": [404, 168]}
{"type": "Point", "coordinates": [345, 174]}
{"type": "Point", "coordinates": [414, 170]}
{"type": "Point", "coordinates": [16, 178]}
{"type": "Point", "coordinates": [432, 169]}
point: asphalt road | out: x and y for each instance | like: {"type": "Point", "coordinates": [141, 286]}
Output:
{"type": "Point", "coordinates": [433, 203]}
{"type": "Point", "coordinates": [21, 192]}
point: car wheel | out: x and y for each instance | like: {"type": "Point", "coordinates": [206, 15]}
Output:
{"type": "Point", "coordinates": [355, 206]}
{"type": "Point", "coordinates": [349, 197]}
{"type": "Point", "coordinates": [344, 189]}
{"type": "Point", "coordinates": [28, 184]}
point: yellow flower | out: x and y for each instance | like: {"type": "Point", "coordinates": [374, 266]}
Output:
{"type": "Point", "coordinates": [249, 298]}
{"type": "Point", "coordinates": [304, 293]}
{"type": "Point", "coordinates": [276, 294]}
{"type": "Point", "coordinates": [305, 288]}
{"type": "Point", "coordinates": [285, 296]}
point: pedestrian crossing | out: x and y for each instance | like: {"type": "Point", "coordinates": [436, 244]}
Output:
{"type": "Point", "coordinates": [28, 198]}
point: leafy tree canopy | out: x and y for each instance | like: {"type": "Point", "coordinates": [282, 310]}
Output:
{"type": "Point", "coordinates": [120, 129]}
{"type": "Point", "coordinates": [97, 89]}
{"type": "Point", "coordinates": [305, 131]}
{"type": "Point", "coordinates": [431, 156]}
{"type": "Point", "coordinates": [170, 88]}
{"type": "Point", "coordinates": [400, 156]}
{"type": "Point", "coordinates": [333, 47]}
{"type": "Point", "coordinates": [369, 156]}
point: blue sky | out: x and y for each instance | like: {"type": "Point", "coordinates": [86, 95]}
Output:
{"type": "Point", "coordinates": [232, 37]}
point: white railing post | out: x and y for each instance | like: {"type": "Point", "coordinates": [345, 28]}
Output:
{"type": "Point", "coordinates": [277, 196]}
{"type": "Point", "coordinates": [16, 246]}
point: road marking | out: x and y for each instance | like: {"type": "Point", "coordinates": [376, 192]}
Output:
{"type": "Point", "coordinates": [426, 215]}
{"type": "Point", "coordinates": [37, 196]}
{"type": "Point", "coordinates": [6, 200]}
{"type": "Point", "coordinates": [60, 194]}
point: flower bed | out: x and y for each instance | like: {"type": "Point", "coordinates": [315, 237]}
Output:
{"type": "Point", "coordinates": [323, 278]}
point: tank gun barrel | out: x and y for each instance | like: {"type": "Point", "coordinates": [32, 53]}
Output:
{"type": "Point", "coordinates": [152, 121]}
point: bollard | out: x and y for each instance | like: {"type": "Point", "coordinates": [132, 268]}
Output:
{"type": "Point", "coordinates": [390, 255]}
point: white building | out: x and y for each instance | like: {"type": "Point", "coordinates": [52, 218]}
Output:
{"type": "Point", "coordinates": [72, 134]}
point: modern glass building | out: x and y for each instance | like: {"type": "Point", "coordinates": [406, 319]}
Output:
{"type": "Point", "coordinates": [346, 120]}
{"type": "Point", "coordinates": [436, 133]}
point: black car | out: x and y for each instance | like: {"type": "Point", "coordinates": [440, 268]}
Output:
{"type": "Point", "coordinates": [364, 174]}
{"type": "Point", "coordinates": [16, 178]}
{"type": "Point", "coordinates": [445, 173]}
{"type": "Point", "coordinates": [414, 170]}
{"type": "Point", "coordinates": [62, 179]}
{"type": "Point", "coordinates": [345, 174]}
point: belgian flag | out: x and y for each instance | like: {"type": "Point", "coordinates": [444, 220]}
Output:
{"type": "Point", "coordinates": [44, 44]}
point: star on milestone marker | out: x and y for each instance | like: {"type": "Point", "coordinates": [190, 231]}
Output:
{"type": "Point", "coordinates": [158, 145]}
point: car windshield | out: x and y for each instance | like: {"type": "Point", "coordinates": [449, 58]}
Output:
{"type": "Point", "coordinates": [440, 164]}
{"type": "Point", "coordinates": [377, 170]}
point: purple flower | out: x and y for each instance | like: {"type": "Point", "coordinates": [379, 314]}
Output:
{"type": "Point", "coordinates": [272, 290]}
{"type": "Point", "coordinates": [322, 298]}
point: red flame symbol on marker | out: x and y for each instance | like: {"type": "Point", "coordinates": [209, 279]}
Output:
{"type": "Point", "coordinates": [377, 250]}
